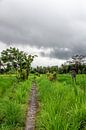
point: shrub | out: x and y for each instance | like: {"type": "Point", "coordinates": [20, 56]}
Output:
{"type": "Point", "coordinates": [52, 76]}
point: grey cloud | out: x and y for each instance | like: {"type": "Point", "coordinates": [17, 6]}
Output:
{"type": "Point", "coordinates": [65, 53]}
{"type": "Point", "coordinates": [59, 53]}
{"type": "Point", "coordinates": [49, 24]}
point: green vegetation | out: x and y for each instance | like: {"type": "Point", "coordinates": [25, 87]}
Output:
{"type": "Point", "coordinates": [62, 103]}
{"type": "Point", "coordinates": [13, 102]}
{"type": "Point", "coordinates": [13, 60]}
{"type": "Point", "coordinates": [14, 87]}
{"type": "Point", "coordinates": [52, 76]}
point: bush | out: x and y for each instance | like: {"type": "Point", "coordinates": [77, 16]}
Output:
{"type": "Point", "coordinates": [52, 76]}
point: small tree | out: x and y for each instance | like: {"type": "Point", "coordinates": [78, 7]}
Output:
{"type": "Point", "coordinates": [18, 60]}
{"type": "Point", "coordinates": [77, 60]}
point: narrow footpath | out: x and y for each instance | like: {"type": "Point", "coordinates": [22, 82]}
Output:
{"type": "Point", "coordinates": [32, 109]}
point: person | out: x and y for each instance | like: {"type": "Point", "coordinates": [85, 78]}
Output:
{"type": "Point", "coordinates": [73, 73]}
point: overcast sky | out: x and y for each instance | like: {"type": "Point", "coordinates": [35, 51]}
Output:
{"type": "Point", "coordinates": [53, 29]}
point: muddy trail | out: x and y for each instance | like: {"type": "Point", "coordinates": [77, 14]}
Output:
{"type": "Point", "coordinates": [32, 109]}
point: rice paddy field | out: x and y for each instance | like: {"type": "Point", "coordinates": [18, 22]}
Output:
{"type": "Point", "coordinates": [13, 102]}
{"type": "Point", "coordinates": [62, 103]}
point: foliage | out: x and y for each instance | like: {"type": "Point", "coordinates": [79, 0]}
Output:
{"type": "Point", "coordinates": [64, 69]}
{"type": "Point", "coordinates": [13, 102]}
{"type": "Point", "coordinates": [60, 107]}
{"type": "Point", "coordinates": [52, 76]}
{"type": "Point", "coordinates": [44, 70]}
{"type": "Point", "coordinates": [16, 60]}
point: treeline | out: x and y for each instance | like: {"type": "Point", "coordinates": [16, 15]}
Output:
{"type": "Point", "coordinates": [77, 62]}
{"type": "Point", "coordinates": [80, 69]}
{"type": "Point", "coordinates": [13, 60]}
{"type": "Point", "coordinates": [63, 69]}
{"type": "Point", "coordinates": [44, 70]}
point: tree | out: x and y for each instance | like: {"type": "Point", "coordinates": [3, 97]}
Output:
{"type": "Point", "coordinates": [78, 61]}
{"type": "Point", "coordinates": [20, 61]}
{"type": "Point", "coordinates": [2, 68]}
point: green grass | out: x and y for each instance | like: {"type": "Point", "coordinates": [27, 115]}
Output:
{"type": "Point", "coordinates": [13, 102]}
{"type": "Point", "coordinates": [62, 103]}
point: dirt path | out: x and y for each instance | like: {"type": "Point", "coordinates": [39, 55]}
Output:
{"type": "Point", "coordinates": [32, 109]}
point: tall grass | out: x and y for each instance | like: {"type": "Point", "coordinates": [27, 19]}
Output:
{"type": "Point", "coordinates": [13, 102]}
{"type": "Point", "coordinates": [61, 108]}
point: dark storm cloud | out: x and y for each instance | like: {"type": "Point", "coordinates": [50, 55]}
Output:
{"type": "Point", "coordinates": [59, 25]}
{"type": "Point", "coordinates": [65, 53]}
{"type": "Point", "coordinates": [60, 53]}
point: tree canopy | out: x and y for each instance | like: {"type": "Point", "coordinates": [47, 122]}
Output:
{"type": "Point", "coordinates": [20, 61]}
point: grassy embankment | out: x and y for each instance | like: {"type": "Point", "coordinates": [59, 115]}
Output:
{"type": "Point", "coordinates": [13, 102]}
{"type": "Point", "coordinates": [62, 103]}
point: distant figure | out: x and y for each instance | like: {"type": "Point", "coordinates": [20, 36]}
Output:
{"type": "Point", "coordinates": [73, 73]}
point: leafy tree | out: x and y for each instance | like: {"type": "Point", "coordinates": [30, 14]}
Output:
{"type": "Point", "coordinates": [20, 61]}
{"type": "Point", "coordinates": [78, 61]}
